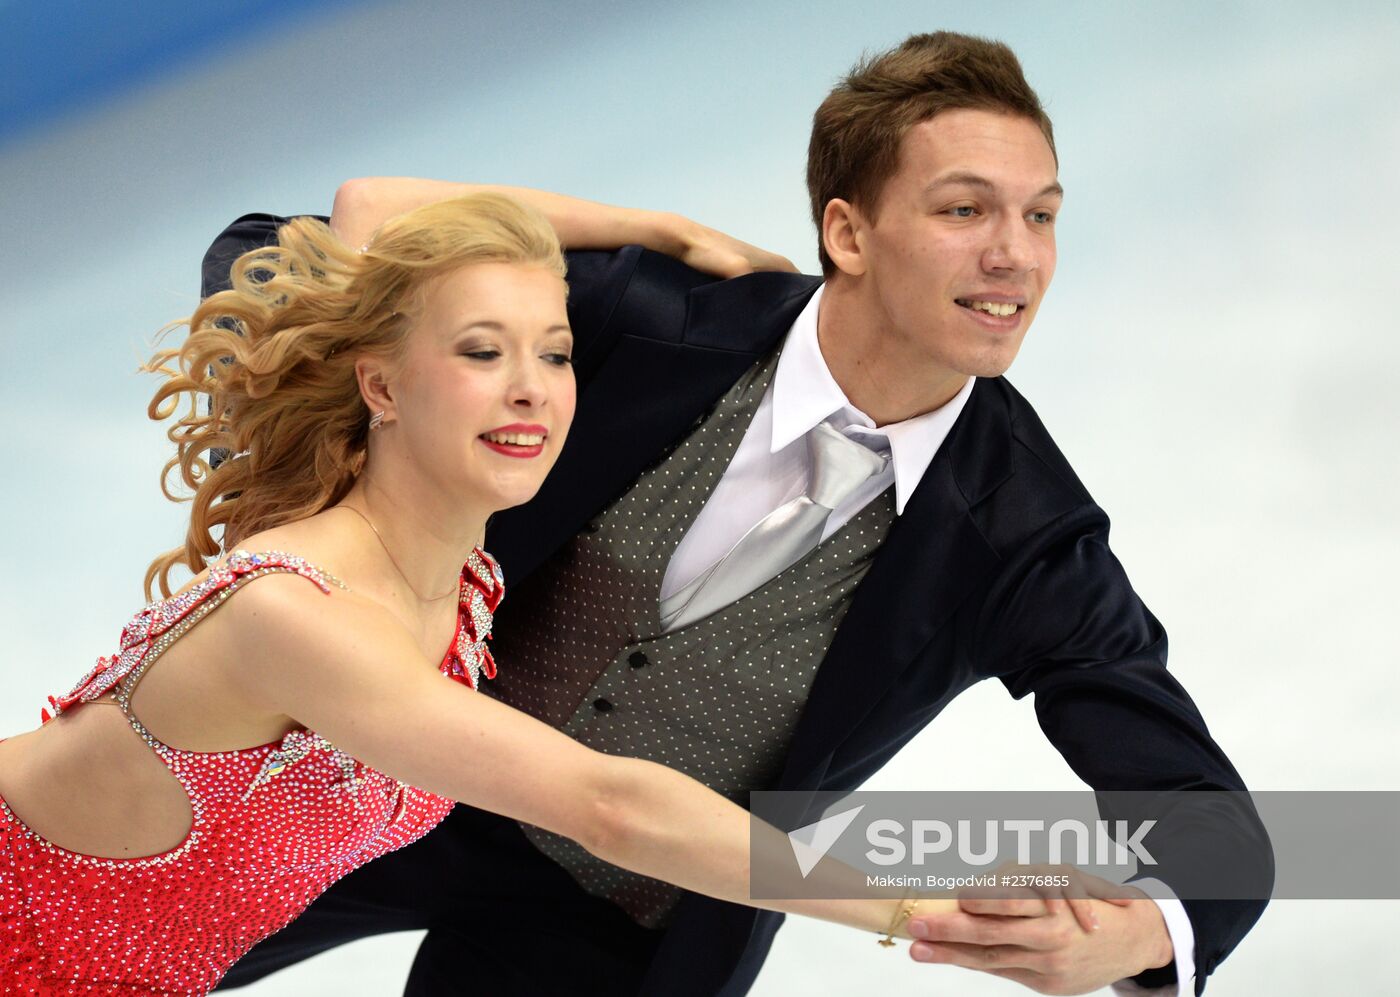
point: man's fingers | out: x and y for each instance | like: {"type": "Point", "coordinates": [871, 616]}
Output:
{"type": "Point", "coordinates": [1118, 894]}
{"type": "Point", "coordinates": [1028, 901]}
{"type": "Point", "coordinates": [1036, 904]}
{"type": "Point", "coordinates": [1065, 886]}
{"type": "Point", "coordinates": [1026, 977]}
{"type": "Point", "coordinates": [1007, 903]}
{"type": "Point", "coordinates": [1084, 913]}
{"type": "Point", "coordinates": [962, 928]}
{"type": "Point", "coordinates": [1038, 933]}
{"type": "Point", "coordinates": [997, 959]}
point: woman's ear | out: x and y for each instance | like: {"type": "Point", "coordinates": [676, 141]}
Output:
{"type": "Point", "coordinates": [372, 377]}
{"type": "Point", "coordinates": [842, 225]}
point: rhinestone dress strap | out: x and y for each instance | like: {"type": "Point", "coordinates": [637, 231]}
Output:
{"type": "Point", "coordinates": [483, 586]}
{"type": "Point", "coordinates": [161, 623]}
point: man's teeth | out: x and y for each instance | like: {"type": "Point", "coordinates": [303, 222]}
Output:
{"type": "Point", "coordinates": [515, 439]}
{"type": "Point", "coordinates": [993, 307]}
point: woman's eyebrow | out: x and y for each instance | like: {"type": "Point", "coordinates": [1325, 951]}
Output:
{"type": "Point", "coordinates": [491, 325]}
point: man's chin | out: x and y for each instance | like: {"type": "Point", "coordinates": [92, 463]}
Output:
{"type": "Point", "coordinates": [985, 366]}
{"type": "Point", "coordinates": [992, 362]}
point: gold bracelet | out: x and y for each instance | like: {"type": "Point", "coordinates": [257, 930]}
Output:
{"type": "Point", "coordinates": [902, 913]}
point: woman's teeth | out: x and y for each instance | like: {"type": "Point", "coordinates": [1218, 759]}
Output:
{"type": "Point", "coordinates": [515, 439]}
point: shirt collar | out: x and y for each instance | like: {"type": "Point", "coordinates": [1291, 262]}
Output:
{"type": "Point", "coordinates": [805, 393]}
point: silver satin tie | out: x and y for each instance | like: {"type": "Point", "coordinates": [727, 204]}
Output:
{"type": "Point", "coordinates": [783, 537]}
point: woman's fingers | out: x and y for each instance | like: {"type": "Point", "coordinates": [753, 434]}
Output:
{"type": "Point", "coordinates": [711, 251]}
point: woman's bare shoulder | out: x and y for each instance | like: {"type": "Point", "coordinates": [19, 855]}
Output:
{"type": "Point", "coordinates": [284, 612]}
{"type": "Point", "coordinates": [322, 539]}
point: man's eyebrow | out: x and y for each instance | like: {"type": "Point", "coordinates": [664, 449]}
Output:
{"type": "Point", "coordinates": [961, 179]}
{"type": "Point", "coordinates": [973, 180]}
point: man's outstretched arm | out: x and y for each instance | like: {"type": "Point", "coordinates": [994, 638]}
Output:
{"type": "Point", "coordinates": [1064, 624]}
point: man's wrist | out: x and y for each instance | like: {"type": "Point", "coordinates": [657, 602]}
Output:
{"type": "Point", "coordinates": [1162, 953]}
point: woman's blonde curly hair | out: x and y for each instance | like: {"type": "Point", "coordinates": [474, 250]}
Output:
{"type": "Point", "coordinates": [268, 368]}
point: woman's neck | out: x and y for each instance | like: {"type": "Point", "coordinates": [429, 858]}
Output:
{"type": "Point", "coordinates": [424, 544]}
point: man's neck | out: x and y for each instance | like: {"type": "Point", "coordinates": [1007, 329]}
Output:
{"type": "Point", "coordinates": [880, 378]}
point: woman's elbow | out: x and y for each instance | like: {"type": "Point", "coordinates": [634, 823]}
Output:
{"type": "Point", "coordinates": [354, 202]}
{"type": "Point", "coordinates": [609, 825]}
{"type": "Point", "coordinates": [354, 191]}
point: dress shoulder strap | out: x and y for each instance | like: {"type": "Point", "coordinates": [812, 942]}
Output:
{"type": "Point", "coordinates": [483, 586]}
{"type": "Point", "coordinates": [161, 623]}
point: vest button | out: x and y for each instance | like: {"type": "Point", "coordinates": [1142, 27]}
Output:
{"type": "Point", "coordinates": [602, 705]}
{"type": "Point", "coordinates": [637, 659]}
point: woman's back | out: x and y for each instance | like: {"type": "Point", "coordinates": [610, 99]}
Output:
{"type": "Point", "coordinates": [198, 851]}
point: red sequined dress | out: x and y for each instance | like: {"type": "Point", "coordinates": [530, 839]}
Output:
{"type": "Point", "coordinates": [273, 826]}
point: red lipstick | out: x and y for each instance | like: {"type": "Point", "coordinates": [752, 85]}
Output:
{"type": "Point", "coordinates": [523, 450]}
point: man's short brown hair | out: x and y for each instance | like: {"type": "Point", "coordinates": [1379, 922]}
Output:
{"type": "Point", "coordinates": [857, 131]}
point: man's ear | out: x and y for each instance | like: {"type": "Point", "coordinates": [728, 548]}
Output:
{"type": "Point", "coordinates": [372, 377]}
{"type": "Point", "coordinates": [842, 226]}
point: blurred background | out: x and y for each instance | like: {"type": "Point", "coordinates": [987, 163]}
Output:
{"type": "Point", "coordinates": [1217, 356]}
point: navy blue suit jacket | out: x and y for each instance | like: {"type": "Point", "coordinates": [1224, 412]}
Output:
{"type": "Point", "coordinates": [999, 567]}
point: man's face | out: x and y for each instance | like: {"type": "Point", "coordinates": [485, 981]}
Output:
{"type": "Point", "coordinates": [962, 246]}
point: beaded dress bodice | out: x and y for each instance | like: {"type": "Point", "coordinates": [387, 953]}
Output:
{"type": "Point", "coordinates": [273, 825]}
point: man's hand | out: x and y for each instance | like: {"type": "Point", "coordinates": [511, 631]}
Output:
{"type": "Point", "coordinates": [1042, 945]}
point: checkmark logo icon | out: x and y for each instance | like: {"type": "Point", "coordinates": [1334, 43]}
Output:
{"type": "Point", "coordinates": [812, 841]}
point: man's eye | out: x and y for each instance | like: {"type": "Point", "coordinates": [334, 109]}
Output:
{"type": "Point", "coordinates": [962, 211]}
{"type": "Point", "coordinates": [1042, 217]}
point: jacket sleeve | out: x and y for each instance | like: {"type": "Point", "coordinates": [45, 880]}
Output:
{"type": "Point", "coordinates": [248, 232]}
{"type": "Point", "coordinates": [1063, 624]}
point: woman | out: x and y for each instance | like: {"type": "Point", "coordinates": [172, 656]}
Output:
{"type": "Point", "coordinates": [223, 767]}
{"type": "Point", "coordinates": [200, 787]}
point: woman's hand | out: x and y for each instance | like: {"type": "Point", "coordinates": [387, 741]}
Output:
{"type": "Point", "coordinates": [362, 205]}
{"type": "Point", "coordinates": [711, 251]}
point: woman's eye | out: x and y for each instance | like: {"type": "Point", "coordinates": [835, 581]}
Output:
{"type": "Point", "coordinates": [482, 354]}
{"type": "Point", "coordinates": [559, 359]}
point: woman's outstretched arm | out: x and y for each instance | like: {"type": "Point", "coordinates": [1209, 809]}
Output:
{"type": "Point", "coordinates": [362, 205]}
{"type": "Point", "coordinates": [350, 672]}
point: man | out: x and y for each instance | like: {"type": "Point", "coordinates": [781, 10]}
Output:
{"type": "Point", "coordinates": [643, 619]}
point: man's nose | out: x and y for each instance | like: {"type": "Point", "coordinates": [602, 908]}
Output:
{"type": "Point", "coordinates": [1012, 250]}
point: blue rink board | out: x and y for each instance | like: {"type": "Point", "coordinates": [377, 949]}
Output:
{"type": "Point", "coordinates": [58, 56]}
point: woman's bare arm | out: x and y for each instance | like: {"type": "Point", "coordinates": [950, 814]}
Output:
{"type": "Point", "coordinates": [362, 205]}
{"type": "Point", "coordinates": [355, 677]}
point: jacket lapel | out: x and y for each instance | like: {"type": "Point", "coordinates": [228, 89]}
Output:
{"type": "Point", "coordinates": [657, 382]}
{"type": "Point", "coordinates": [932, 558]}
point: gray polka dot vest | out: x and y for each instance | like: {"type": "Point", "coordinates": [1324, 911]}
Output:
{"type": "Point", "coordinates": [580, 643]}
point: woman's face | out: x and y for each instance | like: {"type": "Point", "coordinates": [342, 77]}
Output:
{"type": "Point", "coordinates": [483, 400]}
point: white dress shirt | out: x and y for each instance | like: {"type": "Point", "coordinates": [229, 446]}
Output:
{"type": "Point", "coordinates": [770, 467]}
